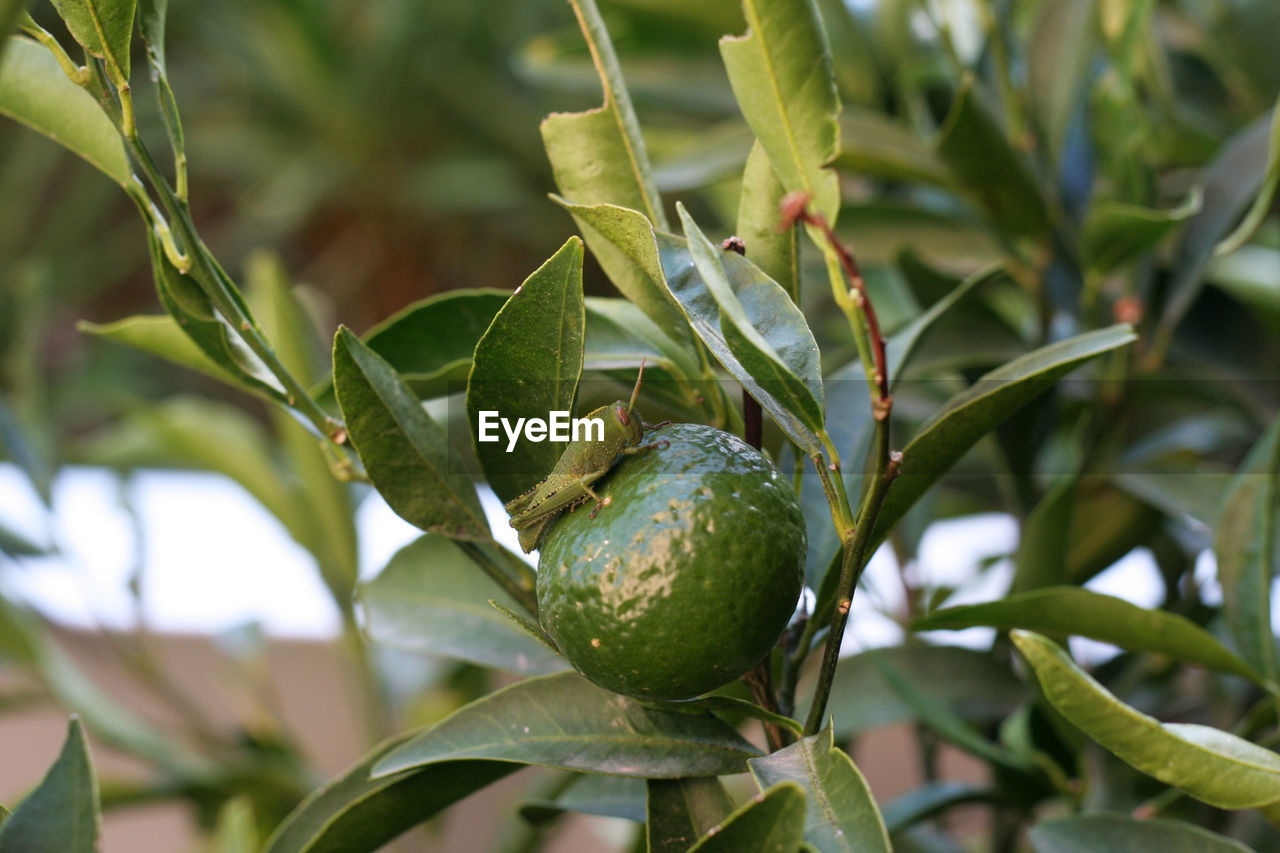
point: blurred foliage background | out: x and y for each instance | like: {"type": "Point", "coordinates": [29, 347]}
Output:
{"type": "Point", "coordinates": [387, 151]}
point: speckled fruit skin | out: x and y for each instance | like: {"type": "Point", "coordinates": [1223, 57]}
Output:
{"type": "Point", "coordinates": [685, 580]}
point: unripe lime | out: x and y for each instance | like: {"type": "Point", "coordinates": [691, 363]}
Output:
{"type": "Point", "coordinates": [686, 578]}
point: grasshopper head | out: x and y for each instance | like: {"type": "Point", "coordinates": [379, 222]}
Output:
{"type": "Point", "coordinates": [627, 420]}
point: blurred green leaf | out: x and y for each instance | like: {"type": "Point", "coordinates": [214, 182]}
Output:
{"type": "Point", "coordinates": [972, 414]}
{"type": "Point", "coordinates": [526, 365]}
{"type": "Point", "coordinates": [1058, 65]}
{"type": "Point", "coordinates": [9, 12]}
{"type": "Point", "coordinates": [840, 813]}
{"type": "Point", "coordinates": [1067, 611]}
{"type": "Point", "coordinates": [1116, 232]}
{"type": "Point", "coordinates": [774, 251]}
{"type": "Point", "coordinates": [61, 814]}
{"type": "Point", "coordinates": [565, 721]}
{"type": "Point", "coordinates": [406, 454]}
{"type": "Point", "coordinates": [1113, 833]}
{"type": "Point", "coordinates": [1208, 764]}
{"type": "Point", "coordinates": [1245, 547]}
{"type": "Point", "coordinates": [354, 813]}
{"type": "Point", "coordinates": [160, 335]}
{"type": "Point", "coordinates": [432, 598]}
{"type": "Point", "coordinates": [104, 27]}
{"type": "Point", "coordinates": [928, 800]}
{"type": "Point", "coordinates": [878, 146]}
{"type": "Point", "coordinates": [680, 811]}
{"type": "Point", "coordinates": [772, 344]}
{"type": "Point", "coordinates": [151, 22]}
{"type": "Point", "coordinates": [35, 92]}
{"type": "Point", "coordinates": [431, 342]}
{"type": "Point", "coordinates": [1046, 539]}
{"type": "Point", "coordinates": [1265, 199]}
{"type": "Point", "coordinates": [998, 178]}
{"type": "Point", "coordinates": [780, 71]}
{"type": "Point", "coordinates": [605, 796]}
{"type": "Point", "coordinates": [235, 831]}
{"type": "Point", "coordinates": [772, 822]}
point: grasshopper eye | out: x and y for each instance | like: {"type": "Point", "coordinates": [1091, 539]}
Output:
{"type": "Point", "coordinates": [620, 413]}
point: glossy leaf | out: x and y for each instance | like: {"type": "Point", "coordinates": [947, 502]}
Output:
{"type": "Point", "coordinates": [998, 178]}
{"type": "Point", "coordinates": [528, 364]}
{"type": "Point", "coordinates": [159, 335]}
{"type": "Point", "coordinates": [599, 157]}
{"type": "Point", "coordinates": [1072, 611]}
{"type": "Point", "coordinates": [680, 811]}
{"type": "Point", "coordinates": [430, 343]}
{"type": "Point", "coordinates": [786, 364]}
{"type": "Point", "coordinates": [104, 27]}
{"type": "Point", "coordinates": [35, 92]}
{"type": "Point", "coordinates": [973, 684]}
{"type": "Point", "coordinates": [840, 813]}
{"type": "Point", "coordinates": [773, 251]}
{"type": "Point", "coordinates": [876, 145]}
{"type": "Point", "coordinates": [1113, 833]}
{"type": "Point", "coordinates": [668, 261]}
{"type": "Point", "coordinates": [432, 598]}
{"type": "Point", "coordinates": [605, 796]}
{"type": "Point", "coordinates": [773, 822]}
{"type": "Point", "coordinates": [973, 413]}
{"type": "Point", "coordinates": [1263, 202]}
{"type": "Point", "coordinates": [1116, 232]}
{"type": "Point", "coordinates": [619, 337]}
{"type": "Point", "coordinates": [61, 814]}
{"type": "Point", "coordinates": [780, 71]}
{"type": "Point", "coordinates": [1208, 764]}
{"type": "Point", "coordinates": [565, 721]}
{"type": "Point", "coordinates": [406, 454]}
{"type": "Point", "coordinates": [354, 813]}
{"type": "Point", "coordinates": [1245, 546]}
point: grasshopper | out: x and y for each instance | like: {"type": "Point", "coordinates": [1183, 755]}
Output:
{"type": "Point", "coordinates": [568, 486]}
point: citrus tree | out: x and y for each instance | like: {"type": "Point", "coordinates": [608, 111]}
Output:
{"type": "Point", "coordinates": [1051, 168]}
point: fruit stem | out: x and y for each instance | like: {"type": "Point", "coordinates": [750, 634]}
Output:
{"type": "Point", "coordinates": [760, 681]}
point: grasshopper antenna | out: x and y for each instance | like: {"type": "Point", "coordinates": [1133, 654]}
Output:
{"type": "Point", "coordinates": [635, 392]}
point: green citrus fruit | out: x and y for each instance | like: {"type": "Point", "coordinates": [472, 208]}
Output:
{"type": "Point", "coordinates": [685, 578]}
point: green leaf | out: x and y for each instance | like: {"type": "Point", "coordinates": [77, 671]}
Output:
{"type": "Point", "coordinates": [598, 157]}
{"type": "Point", "coordinates": [620, 337]}
{"type": "Point", "coordinates": [998, 178]}
{"type": "Point", "coordinates": [840, 813]}
{"type": "Point", "coordinates": [1116, 232]}
{"type": "Point", "coordinates": [1058, 55]}
{"type": "Point", "coordinates": [1072, 611]}
{"type": "Point", "coordinates": [61, 814]}
{"type": "Point", "coordinates": [1210, 765]}
{"type": "Point", "coordinates": [430, 343]}
{"type": "Point", "coordinates": [565, 721]}
{"type": "Point", "coordinates": [939, 717]}
{"type": "Point", "coordinates": [355, 813]}
{"type": "Point", "coordinates": [1245, 546]}
{"type": "Point", "coordinates": [1265, 199]}
{"type": "Point", "coordinates": [432, 598]}
{"type": "Point", "coordinates": [786, 363]}
{"type": "Point", "coordinates": [190, 307]}
{"type": "Point", "coordinates": [930, 799]}
{"type": "Point", "coordinates": [972, 684]}
{"type": "Point", "coordinates": [1046, 539]}
{"type": "Point", "coordinates": [1113, 833]}
{"type": "Point", "coordinates": [406, 454]}
{"type": "Point", "coordinates": [765, 305]}
{"type": "Point", "coordinates": [875, 144]}
{"type": "Point", "coordinates": [159, 335]}
{"type": "Point", "coordinates": [10, 10]}
{"type": "Point", "coordinates": [151, 21]}
{"type": "Point", "coordinates": [527, 365]}
{"type": "Point", "coordinates": [605, 796]}
{"type": "Point", "coordinates": [772, 822]}
{"type": "Point", "coordinates": [104, 27]}
{"type": "Point", "coordinates": [772, 250]}
{"type": "Point", "coordinates": [35, 92]}
{"type": "Point", "coordinates": [975, 412]}
{"type": "Point", "coordinates": [235, 831]}
{"type": "Point", "coordinates": [680, 811]}
{"type": "Point", "coordinates": [780, 71]}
